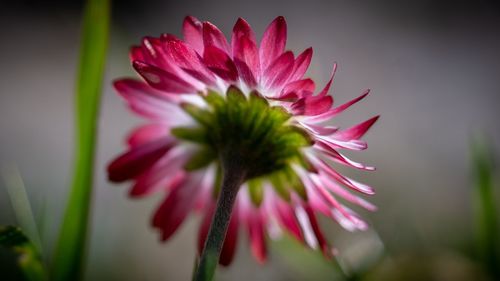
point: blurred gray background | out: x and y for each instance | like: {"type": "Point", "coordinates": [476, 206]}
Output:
{"type": "Point", "coordinates": [433, 67]}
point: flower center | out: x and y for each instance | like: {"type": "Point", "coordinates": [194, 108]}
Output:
{"type": "Point", "coordinates": [246, 129]}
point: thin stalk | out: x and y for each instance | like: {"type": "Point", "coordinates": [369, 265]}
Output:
{"type": "Point", "coordinates": [71, 248]}
{"type": "Point", "coordinates": [234, 175]}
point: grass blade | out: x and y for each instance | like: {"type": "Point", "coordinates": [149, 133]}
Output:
{"type": "Point", "coordinates": [487, 221]}
{"type": "Point", "coordinates": [21, 204]}
{"type": "Point", "coordinates": [70, 251]}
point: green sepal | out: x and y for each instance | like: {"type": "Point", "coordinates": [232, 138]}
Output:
{"type": "Point", "coordinates": [196, 134]}
{"type": "Point", "coordinates": [201, 115]}
{"type": "Point", "coordinates": [280, 185]}
{"type": "Point", "coordinates": [295, 182]}
{"type": "Point", "coordinates": [214, 99]}
{"type": "Point", "coordinates": [256, 191]}
{"type": "Point", "coordinates": [235, 95]}
{"type": "Point", "coordinates": [200, 159]}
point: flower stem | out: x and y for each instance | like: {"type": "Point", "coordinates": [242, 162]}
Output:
{"type": "Point", "coordinates": [234, 175]}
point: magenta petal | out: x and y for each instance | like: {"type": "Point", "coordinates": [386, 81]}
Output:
{"type": "Point", "coordinates": [256, 235]}
{"type": "Point", "coordinates": [136, 54]}
{"type": "Point", "coordinates": [231, 240]}
{"type": "Point", "coordinates": [162, 80]}
{"type": "Point", "coordinates": [145, 100]}
{"type": "Point", "coordinates": [166, 171]}
{"type": "Point", "coordinates": [176, 206]}
{"type": "Point", "coordinates": [245, 53]}
{"type": "Point", "coordinates": [146, 133]}
{"type": "Point", "coordinates": [314, 105]}
{"type": "Point", "coordinates": [192, 31]}
{"type": "Point", "coordinates": [205, 224]}
{"type": "Point", "coordinates": [154, 54]}
{"type": "Point", "coordinates": [301, 64]}
{"type": "Point", "coordinates": [212, 36]}
{"type": "Point", "coordinates": [339, 158]}
{"type": "Point", "coordinates": [323, 244]}
{"type": "Point", "coordinates": [138, 159]}
{"type": "Point", "coordinates": [338, 190]}
{"type": "Point", "coordinates": [354, 185]}
{"type": "Point", "coordinates": [320, 130]}
{"type": "Point", "coordinates": [325, 90]}
{"type": "Point", "coordinates": [273, 42]}
{"type": "Point", "coordinates": [337, 110]}
{"type": "Point", "coordinates": [286, 216]}
{"type": "Point", "coordinates": [278, 72]}
{"type": "Point", "coordinates": [334, 143]}
{"type": "Point", "coordinates": [220, 63]}
{"type": "Point", "coordinates": [357, 131]}
{"type": "Point", "coordinates": [187, 59]}
{"type": "Point", "coordinates": [298, 88]}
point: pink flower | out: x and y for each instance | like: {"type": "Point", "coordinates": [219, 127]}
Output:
{"type": "Point", "coordinates": [204, 95]}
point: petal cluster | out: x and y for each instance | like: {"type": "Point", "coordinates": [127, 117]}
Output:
{"type": "Point", "coordinates": [176, 72]}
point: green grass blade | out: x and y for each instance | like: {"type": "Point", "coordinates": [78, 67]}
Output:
{"type": "Point", "coordinates": [21, 204]}
{"type": "Point", "coordinates": [71, 249]}
{"type": "Point", "coordinates": [486, 214]}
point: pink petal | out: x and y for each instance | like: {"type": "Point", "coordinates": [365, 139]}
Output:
{"type": "Point", "coordinates": [273, 42]}
{"type": "Point", "coordinates": [147, 133]}
{"type": "Point", "coordinates": [162, 174]}
{"type": "Point", "coordinates": [278, 72]}
{"type": "Point", "coordinates": [314, 105]}
{"type": "Point", "coordinates": [335, 188]}
{"type": "Point", "coordinates": [245, 53]}
{"type": "Point", "coordinates": [339, 158]}
{"type": "Point", "coordinates": [176, 206]}
{"type": "Point", "coordinates": [138, 159]}
{"type": "Point", "coordinates": [230, 242]}
{"type": "Point", "coordinates": [334, 143]}
{"type": "Point", "coordinates": [325, 90]}
{"type": "Point", "coordinates": [286, 216]}
{"type": "Point", "coordinates": [354, 185]}
{"type": "Point", "coordinates": [212, 36]}
{"type": "Point", "coordinates": [320, 130]}
{"type": "Point", "coordinates": [357, 131]}
{"type": "Point", "coordinates": [192, 31]}
{"type": "Point", "coordinates": [335, 111]}
{"type": "Point", "coordinates": [188, 60]}
{"type": "Point", "coordinates": [298, 88]}
{"type": "Point", "coordinates": [154, 54]}
{"type": "Point", "coordinates": [145, 100]}
{"type": "Point", "coordinates": [205, 224]}
{"type": "Point", "coordinates": [136, 54]}
{"type": "Point", "coordinates": [301, 64]}
{"type": "Point", "coordinates": [341, 215]}
{"type": "Point", "coordinates": [323, 244]}
{"type": "Point", "coordinates": [220, 63]}
{"type": "Point", "coordinates": [256, 235]}
{"type": "Point", "coordinates": [162, 80]}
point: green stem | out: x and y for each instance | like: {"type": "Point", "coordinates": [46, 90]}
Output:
{"type": "Point", "coordinates": [234, 176]}
{"type": "Point", "coordinates": [71, 248]}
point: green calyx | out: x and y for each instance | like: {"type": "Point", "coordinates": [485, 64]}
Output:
{"type": "Point", "coordinates": [249, 129]}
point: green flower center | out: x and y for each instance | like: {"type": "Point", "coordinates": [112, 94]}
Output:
{"type": "Point", "coordinates": [250, 130]}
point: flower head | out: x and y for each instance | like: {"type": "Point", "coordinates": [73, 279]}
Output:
{"type": "Point", "coordinates": [208, 100]}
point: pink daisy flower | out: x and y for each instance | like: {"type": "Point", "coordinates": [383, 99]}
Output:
{"type": "Point", "coordinates": [206, 98]}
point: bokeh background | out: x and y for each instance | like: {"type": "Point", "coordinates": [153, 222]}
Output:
{"type": "Point", "coordinates": [433, 67]}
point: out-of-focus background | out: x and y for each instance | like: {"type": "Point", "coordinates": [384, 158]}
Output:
{"type": "Point", "coordinates": [433, 67]}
